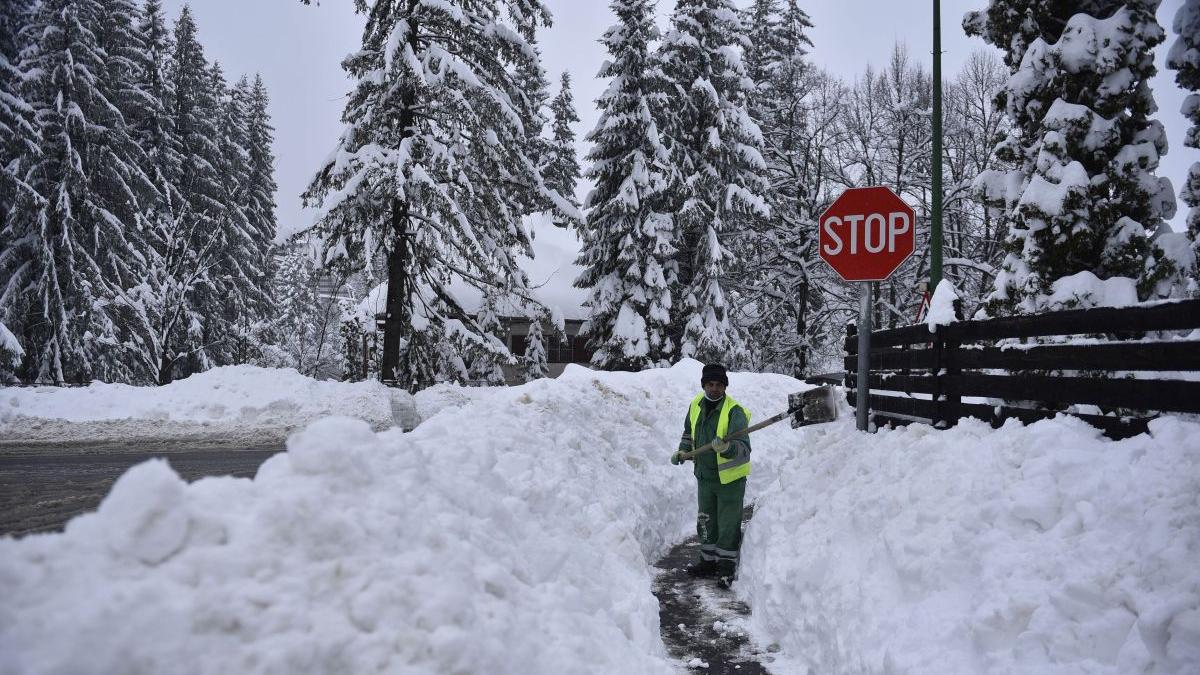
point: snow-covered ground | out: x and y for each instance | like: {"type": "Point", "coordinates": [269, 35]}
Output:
{"type": "Point", "coordinates": [513, 531]}
{"type": "Point", "coordinates": [232, 404]}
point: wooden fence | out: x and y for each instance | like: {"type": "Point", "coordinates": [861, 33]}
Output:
{"type": "Point", "coordinates": [1118, 365]}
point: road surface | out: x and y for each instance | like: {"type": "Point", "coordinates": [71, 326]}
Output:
{"type": "Point", "coordinates": [42, 488]}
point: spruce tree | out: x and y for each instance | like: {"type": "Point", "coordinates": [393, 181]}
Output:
{"type": "Point", "coordinates": [562, 170]}
{"type": "Point", "coordinates": [628, 238]}
{"type": "Point", "coordinates": [196, 114]}
{"type": "Point", "coordinates": [76, 233]}
{"type": "Point", "coordinates": [1083, 199]}
{"type": "Point", "coordinates": [261, 186]}
{"type": "Point", "coordinates": [434, 164]}
{"type": "Point", "coordinates": [536, 366]}
{"type": "Point", "coordinates": [717, 147]}
{"type": "Point", "coordinates": [259, 203]}
{"type": "Point", "coordinates": [485, 353]}
{"type": "Point", "coordinates": [780, 285]}
{"type": "Point", "coordinates": [1184, 58]}
{"type": "Point", "coordinates": [244, 276]}
{"type": "Point", "coordinates": [18, 136]}
{"type": "Point", "coordinates": [163, 300]}
{"type": "Point", "coordinates": [18, 147]}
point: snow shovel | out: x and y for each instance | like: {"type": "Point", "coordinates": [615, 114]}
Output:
{"type": "Point", "coordinates": [815, 406]}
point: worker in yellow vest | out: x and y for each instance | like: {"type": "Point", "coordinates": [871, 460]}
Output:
{"type": "Point", "coordinates": [720, 475]}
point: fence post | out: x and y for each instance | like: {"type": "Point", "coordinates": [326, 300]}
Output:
{"type": "Point", "coordinates": [939, 393]}
{"type": "Point", "coordinates": [950, 370]}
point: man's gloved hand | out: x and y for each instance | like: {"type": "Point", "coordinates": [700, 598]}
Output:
{"type": "Point", "coordinates": [720, 445]}
{"type": "Point", "coordinates": [677, 458]}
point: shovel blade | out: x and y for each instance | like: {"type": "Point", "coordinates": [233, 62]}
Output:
{"type": "Point", "coordinates": [813, 406]}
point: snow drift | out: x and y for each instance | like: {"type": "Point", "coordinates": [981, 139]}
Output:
{"type": "Point", "coordinates": [228, 404]}
{"type": "Point", "coordinates": [513, 532]}
{"type": "Point", "coordinates": [1041, 549]}
{"type": "Point", "coordinates": [511, 535]}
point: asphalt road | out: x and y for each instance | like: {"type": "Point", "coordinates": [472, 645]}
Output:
{"type": "Point", "coordinates": [41, 489]}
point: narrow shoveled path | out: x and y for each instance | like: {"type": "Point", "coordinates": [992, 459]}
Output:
{"type": "Point", "coordinates": [702, 625]}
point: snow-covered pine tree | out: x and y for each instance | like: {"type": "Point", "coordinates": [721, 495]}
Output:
{"type": "Point", "coordinates": [133, 90]}
{"type": "Point", "coordinates": [76, 239]}
{"type": "Point", "coordinates": [628, 239]}
{"type": "Point", "coordinates": [18, 136]}
{"type": "Point", "coordinates": [261, 187]}
{"type": "Point", "coordinates": [298, 334]}
{"type": "Point", "coordinates": [162, 300]}
{"type": "Point", "coordinates": [534, 360]}
{"type": "Point", "coordinates": [1083, 201]}
{"type": "Point", "coordinates": [530, 95]}
{"type": "Point", "coordinates": [244, 271]}
{"type": "Point", "coordinates": [717, 148]}
{"type": "Point", "coordinates": [306, 327]}
{"type": "Point", "coordinates": [433, 164]}
{"type": "Point", "coordinates": [781, 290]}
{"type": "Point", "coordinates": [195, 115]}
{"type": "Point", "coordinates": [1184, 58]}
{"type": "Point", "coordinates": [18, 147]}
{"type": "Point", "coordinates": [259, 203]}
{"type": "Point", "coordinates": [562, 171]}
{"type": "Point", "coordinates": [487, 358]}
{"type": "Point", "coordinates": [181, 252]}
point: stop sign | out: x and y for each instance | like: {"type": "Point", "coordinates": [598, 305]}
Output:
{"type": "Point", "coordinates": [866, 233]}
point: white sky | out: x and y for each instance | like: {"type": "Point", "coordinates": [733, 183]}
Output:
{"type": "Point", "coordinates": [298, 49]}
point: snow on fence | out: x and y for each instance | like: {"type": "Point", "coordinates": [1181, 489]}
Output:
{"type": "Point", "coordinates": [1118, 368]}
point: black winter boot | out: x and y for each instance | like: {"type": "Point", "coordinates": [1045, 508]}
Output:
{"type": "Point", "coordinates": [726, 573]}
{"type": "Point", "coordinates": [702, 568]}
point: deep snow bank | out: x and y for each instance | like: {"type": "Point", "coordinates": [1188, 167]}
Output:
{"type": "Point", "coordinates": [512, 534]}
{"type": "Point", "coordinates": [1044, 549]}
{"type": "Point", "coordinates": [230, 403]}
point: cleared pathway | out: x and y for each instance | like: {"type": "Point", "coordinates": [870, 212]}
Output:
{"type": "Point", "coordinates": [702, 625]}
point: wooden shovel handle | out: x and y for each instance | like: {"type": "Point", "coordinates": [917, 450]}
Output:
{"type": "Point", "coordinates": [707, 447]}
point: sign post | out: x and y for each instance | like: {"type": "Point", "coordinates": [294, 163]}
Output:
{"type": "Point", "coordinates": [865, 235]}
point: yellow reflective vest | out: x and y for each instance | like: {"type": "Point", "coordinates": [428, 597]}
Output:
{"type": "Point", "coordinates": [729, 469]}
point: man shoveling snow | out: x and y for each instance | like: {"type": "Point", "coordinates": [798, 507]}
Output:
{"type": "Point", "coordinates": [720, 475]}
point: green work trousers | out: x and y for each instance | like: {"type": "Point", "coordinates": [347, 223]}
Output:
{"type": "Point", "coordinates": [719, 520]}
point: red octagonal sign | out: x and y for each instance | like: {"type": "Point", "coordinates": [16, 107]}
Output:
{"type": "Point", "coordinates": [866, 233]}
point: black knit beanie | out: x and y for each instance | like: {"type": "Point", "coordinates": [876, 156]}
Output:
{"type": "Point", "coordinates": [714, 372]}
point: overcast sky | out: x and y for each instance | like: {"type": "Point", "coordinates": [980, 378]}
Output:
{"type": "Point", "coordinates": [298, 49]}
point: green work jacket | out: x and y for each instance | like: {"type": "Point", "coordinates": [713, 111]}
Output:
{"type": "Point", "coordinates": [734, 463]}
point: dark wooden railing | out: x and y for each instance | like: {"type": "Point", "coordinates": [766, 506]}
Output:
{"type": "Point", "coordinates": [921, 376]}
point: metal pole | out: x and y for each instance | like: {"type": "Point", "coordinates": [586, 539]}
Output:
{"type": "Point", "coordinates": [935, 235]}
{"type": "Point", "coordinates": [864, 355]}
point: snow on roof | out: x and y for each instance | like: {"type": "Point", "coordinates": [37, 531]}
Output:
{"type": "Point", "coordinates": [552, 273]}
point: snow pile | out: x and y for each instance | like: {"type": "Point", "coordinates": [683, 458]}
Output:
{"type": "Point", "coordinates": [511, 535]}
{"type": "Point", "coordinates": [941, 306]}
{"type": "Point", "coordinates": [1087, 290]}
{"type": "Point", "coordinates": [229, 402]}
{"type": "Point", "coordinates": [1044, 549]}
{"type": "Point", "coordinates": [513, 532]}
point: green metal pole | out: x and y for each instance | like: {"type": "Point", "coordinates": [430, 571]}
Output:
{"type": "Point", "coordinates": [935, 234]}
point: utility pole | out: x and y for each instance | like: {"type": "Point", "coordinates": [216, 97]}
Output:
{"type": "Point", "coordinates": [935, 234]}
